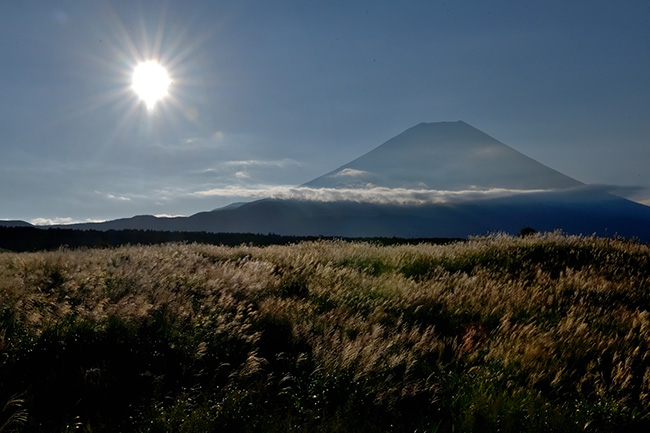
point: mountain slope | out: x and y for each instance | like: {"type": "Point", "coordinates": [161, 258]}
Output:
{"type": "Point", "coordinates": [444, 156]}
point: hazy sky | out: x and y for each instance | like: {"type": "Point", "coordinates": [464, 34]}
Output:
{"type": "Point", "coordinates": [271, 93]}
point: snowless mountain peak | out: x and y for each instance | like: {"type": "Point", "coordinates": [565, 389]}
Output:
{"type": "Point", "coordinates": [444, 156]}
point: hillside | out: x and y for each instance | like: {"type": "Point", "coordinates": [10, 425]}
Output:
{"type": "Point", "coordinates": [543, 333]}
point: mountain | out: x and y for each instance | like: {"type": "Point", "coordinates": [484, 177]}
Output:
{"type": "Point", "coordinates": [444, 179]}
{"type": "Point", "coordinates": [444, 156]}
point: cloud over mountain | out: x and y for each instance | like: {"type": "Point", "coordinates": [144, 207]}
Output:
{"type": "Point", "coordinates": [350, 172]}
{"type": "Point", "coordinates": [371, 194]}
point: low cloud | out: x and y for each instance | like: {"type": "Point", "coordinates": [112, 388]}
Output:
{"type": "Point", "coordinates": [113, 197]}
{"type": "Point", "coordinates": [164, 215]}
{"type": "Point", "coordinates": [377, 195]}
{"type": "Point", "coordinates": [350, 172]}
{"type": "Point", "coordinates": [116, 197]}
{"type": "Point", "coordinates": [262, 163]}
{"type": "Point", "coordinates": [60, 221]}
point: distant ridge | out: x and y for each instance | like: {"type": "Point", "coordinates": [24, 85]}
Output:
{"type": "Point", "coordinates": [14, 223]}
{"type": "Point", "coordinates": [452, 158]}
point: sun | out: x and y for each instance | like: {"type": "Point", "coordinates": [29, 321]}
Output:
{"type": "Point", "coordinates": [150, 82]}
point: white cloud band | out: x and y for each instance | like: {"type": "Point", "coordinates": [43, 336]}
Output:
{"type": "Point", "coordinates": [61, 221]}
{"type": "Point", "coordinates": [377, 195]}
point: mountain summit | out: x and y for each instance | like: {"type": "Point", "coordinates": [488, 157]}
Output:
{"type": "Point", "coordinates": [444, 156]}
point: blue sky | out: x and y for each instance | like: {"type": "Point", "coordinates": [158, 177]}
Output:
{"type": "Point", "coordinates": [273, 94]}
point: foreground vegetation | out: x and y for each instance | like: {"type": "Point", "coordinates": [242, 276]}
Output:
{"type": "Point", "coordinates": [542, 333]}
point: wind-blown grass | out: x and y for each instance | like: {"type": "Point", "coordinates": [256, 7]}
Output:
{"type": "Point", "coordinates": [542, 333]}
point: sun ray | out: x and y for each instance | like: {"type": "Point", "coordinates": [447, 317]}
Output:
{"type": "Point", "coordinates": [148, 114]}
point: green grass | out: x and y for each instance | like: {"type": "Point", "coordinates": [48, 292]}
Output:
{"type": "Point", "coordinates": [541, 333]}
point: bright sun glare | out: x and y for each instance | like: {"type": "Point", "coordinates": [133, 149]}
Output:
{"type": "Point", "coordinates": [150, 82]}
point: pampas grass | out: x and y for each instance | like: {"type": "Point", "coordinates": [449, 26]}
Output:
{"type": "Point", "coordinates": [539, 333]}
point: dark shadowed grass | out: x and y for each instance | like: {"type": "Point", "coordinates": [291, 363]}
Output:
{"type": "Point", "coordinates": [539, 333]}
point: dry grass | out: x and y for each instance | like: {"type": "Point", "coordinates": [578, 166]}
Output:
{"type": "Point", "coordinates": [543, 333]}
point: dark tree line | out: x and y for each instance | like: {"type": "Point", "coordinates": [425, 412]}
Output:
{"type": "Point", "coordinates": [21, 239]}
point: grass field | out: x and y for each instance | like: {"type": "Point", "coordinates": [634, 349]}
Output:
{"type": "Point", "coordinates": [541, 333]}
